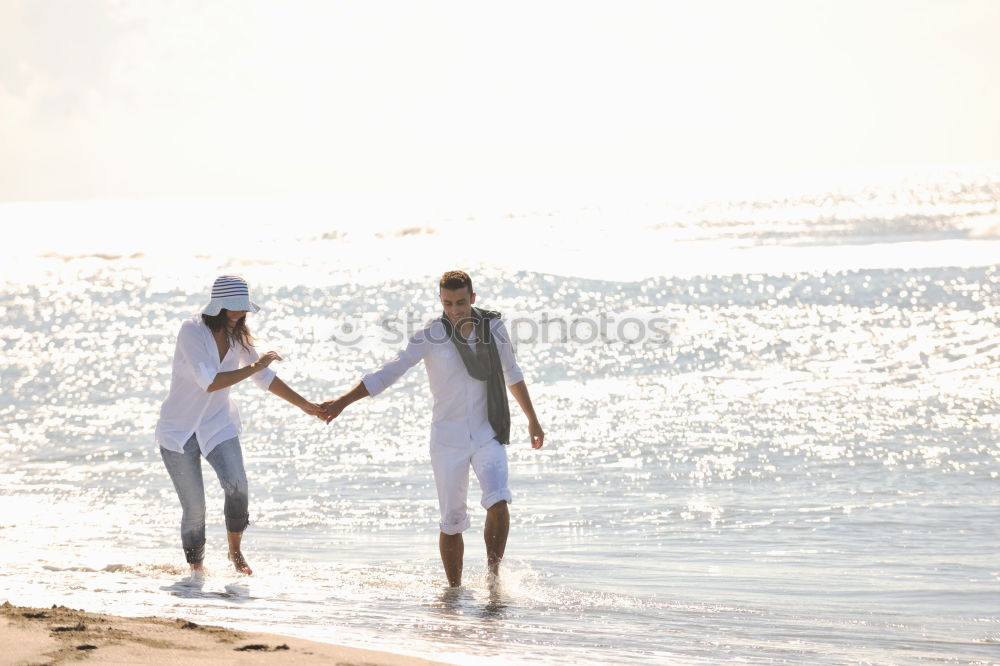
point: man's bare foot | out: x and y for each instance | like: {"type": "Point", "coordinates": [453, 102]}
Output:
{"type": "Point", "coordinates": [240, 562]}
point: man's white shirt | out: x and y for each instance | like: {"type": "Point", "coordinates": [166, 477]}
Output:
{"type": "Point", "coordinates": [459, 416]}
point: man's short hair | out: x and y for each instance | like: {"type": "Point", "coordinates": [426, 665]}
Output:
{"type": "Point", "coordinates": [455, 280]}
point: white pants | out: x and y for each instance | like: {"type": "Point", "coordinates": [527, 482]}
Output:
{"type": "Point", "coordinates": [451, 475]}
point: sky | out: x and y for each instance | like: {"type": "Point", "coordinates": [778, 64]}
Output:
{"type": "Point", "coordinates": [103, 99]}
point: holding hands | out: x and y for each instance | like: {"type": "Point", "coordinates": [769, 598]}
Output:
{"type": "Point", "coordinates": [331, 409]}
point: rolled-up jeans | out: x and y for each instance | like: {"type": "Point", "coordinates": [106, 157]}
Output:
{"type": "Point", "coordinates": [185, 471]}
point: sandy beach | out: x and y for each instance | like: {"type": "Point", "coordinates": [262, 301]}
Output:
{"type": "Point", "coordinates": [59, 634]}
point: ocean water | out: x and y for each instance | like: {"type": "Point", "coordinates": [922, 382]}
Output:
{"type": "Point", "coordinates": [772, 421]}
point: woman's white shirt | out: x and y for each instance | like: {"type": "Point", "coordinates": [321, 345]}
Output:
{"type": "Point", "coordinates": [189, 407]}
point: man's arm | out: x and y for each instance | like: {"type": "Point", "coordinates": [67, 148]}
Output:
{"type": "Point", "coordinates": [514, 379]}
{"type": "Point", "coordinates": [375, 382]}
{"type": "Point", "coordinates": [520, 393]}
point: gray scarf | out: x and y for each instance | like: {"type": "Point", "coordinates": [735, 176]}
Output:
{"type": "Point", "coordinates": [484, 365]}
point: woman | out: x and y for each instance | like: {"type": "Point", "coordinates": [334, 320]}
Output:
{"type": "Point", "coordinates": [214, 351]}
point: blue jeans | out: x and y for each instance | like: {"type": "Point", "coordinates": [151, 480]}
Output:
{"type": "Point", "coordinates": [185, 471]}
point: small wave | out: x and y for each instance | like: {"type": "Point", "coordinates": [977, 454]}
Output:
{"type": "Point", "coordinates": [49, 567]}
{"type": "Point", "coordinates": [411, 231]}
{"type": "Point", "coordinates": [94, 255]}
{"type": "Point", "coordinates": [145, 569]}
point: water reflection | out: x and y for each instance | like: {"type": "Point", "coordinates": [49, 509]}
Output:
{"type": "Point", "coordinates": [453, 601]}
{"type": "Point", "coordinates": [465, 602]}
{"type": "Point", "coordinates": [193, 587]}
{"type": "Point", "coordinates": [495, 608]}
{"type": "Point", "coordinates": [189, 587]}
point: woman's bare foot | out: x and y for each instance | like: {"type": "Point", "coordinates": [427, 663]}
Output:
{"type": "Point", "coordinates": [196, 578]}
{"type": "Point", "coordinates": [240, 562]}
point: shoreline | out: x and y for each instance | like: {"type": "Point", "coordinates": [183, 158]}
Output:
{"type": "Point", "coordinates": [59, 634]}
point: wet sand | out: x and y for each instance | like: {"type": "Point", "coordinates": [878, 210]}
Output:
{"type": "Point", "coordinates": [59, 635]}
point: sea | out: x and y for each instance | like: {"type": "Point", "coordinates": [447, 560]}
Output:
{"type": "Point", "coordinates": [772, 417]}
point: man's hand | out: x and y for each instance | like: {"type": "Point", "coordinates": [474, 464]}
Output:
{"type": "Point", "coordinates": [520, 393]}
{"type": "Point", "coordinates": [536, 434]}
{"type": "Point", "coordinates": [332, 409]}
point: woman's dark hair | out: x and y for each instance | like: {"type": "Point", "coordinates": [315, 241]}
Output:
{"type": "Point", "coordinates": [240, 333]}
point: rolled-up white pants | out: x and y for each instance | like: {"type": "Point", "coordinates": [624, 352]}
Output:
{"type": "Point", "coordinates": [451, 475]}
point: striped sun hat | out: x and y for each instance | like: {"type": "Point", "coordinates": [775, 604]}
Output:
{"type": "Point", "coordinates": [232, 293]}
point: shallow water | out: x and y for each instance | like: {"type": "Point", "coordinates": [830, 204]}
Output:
{"type": "Point", "coordinates": [780, 444]}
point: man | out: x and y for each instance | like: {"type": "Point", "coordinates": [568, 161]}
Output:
{"type": "Point", "coordinates": [469, 359]}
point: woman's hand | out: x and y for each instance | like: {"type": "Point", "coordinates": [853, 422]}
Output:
{"type": "Point", "coordinates": [266, 359]}
{"type": "Point", "coordinates": [312, 409]}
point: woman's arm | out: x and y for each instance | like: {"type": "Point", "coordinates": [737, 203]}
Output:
{"type": "Point", "coordinates": [224, 379]}
{"type": "Point", "coordinates": [284, 391]}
